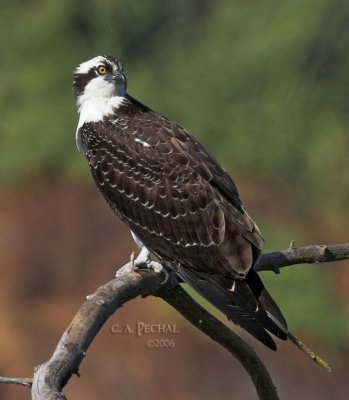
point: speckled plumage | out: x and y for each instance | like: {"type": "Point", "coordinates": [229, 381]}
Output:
{"type": "Point", "coordinates": [184, 207]}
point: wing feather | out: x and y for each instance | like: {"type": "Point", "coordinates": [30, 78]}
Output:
{"type": "Point", "coordinates": [166, 186]}
{"type": "Point", "coordinates": [163, 183]}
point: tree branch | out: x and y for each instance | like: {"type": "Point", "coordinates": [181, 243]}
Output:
{"type": "Point", "coordinates": [16, 381]}
{"type": "Point", "coordinates": [51, 377]}
{"type": "Point", "coordinates": [313, 254]}
{"type": "Point", "coordinates": [224, 336]}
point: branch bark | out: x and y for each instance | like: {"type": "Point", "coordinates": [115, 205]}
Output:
{"type": "Point", "coordinates": [313, 254]}
{"type": "Point", "coordinates": [221, 334]}
{"type": "Point", "coordinates": [16, 381]}
{"type": "Point", "coordinates": [51, 376]}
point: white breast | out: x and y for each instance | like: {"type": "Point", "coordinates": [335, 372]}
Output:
{"type": "Point", "coordinates": [98, 101]}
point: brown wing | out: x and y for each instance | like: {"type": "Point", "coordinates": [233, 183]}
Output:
{"type": "Point", "coordinates": [186, 209]}
{"type": "Point", "coordinates": [171, 192]}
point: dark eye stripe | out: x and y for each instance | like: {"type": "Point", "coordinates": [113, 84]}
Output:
{"type": "Point", "coordinates": [82, 79]}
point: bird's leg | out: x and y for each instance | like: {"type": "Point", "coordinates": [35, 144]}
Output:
{"type": "Point", "coordinates": [143, 259]}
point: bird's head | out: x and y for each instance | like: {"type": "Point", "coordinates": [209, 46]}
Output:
{"type": "Point", "coordinates": [100, 77]}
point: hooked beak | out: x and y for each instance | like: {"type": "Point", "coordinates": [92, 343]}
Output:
{"type": "Point", "coordinates": [119, 80]}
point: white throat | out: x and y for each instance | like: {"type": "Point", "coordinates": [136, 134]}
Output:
{"type": "Point", "coordinates": [98, 101]}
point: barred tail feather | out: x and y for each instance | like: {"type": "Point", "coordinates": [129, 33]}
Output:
{"type": "Point", "coordinates": [242, 302]}
{"type": "Point", "coordinates": [263, 297]}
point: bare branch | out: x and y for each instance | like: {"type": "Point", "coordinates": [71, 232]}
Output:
{"type": "Point", "coordinates": [51, 377]}
{"type": "Point", "coordinates": [317, 253]}
{"type": "Point", "coordinates": [221, 334]}
{"type": "Point", "coordinates": [16, 381]}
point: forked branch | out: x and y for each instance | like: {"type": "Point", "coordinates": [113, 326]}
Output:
{"type": "Point", "coordinates": [51, 376]}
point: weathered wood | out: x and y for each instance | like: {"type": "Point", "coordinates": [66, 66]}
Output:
{"type": "Point", "coordinates": [51, 376]}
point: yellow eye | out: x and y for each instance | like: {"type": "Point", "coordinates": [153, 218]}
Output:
{"type": "Point", "coordinates": [102, 70]}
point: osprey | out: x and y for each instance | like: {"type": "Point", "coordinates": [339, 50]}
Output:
{"type": "Point", "coordinates": [179, 203]}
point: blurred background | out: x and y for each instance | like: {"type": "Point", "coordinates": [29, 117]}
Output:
{"type": "Point", "coordinates": [264, 85]}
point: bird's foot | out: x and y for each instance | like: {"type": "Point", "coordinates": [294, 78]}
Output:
{"type": "Point", "coordinates": [171, 279]}
{"type": "Point", "coordinates": [157, 268]}
{"type": "Point", "coordinates": [142, 260]}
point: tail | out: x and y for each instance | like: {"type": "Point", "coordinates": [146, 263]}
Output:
{"type": "Point", "coordinates": [246, 303]}
{"type": "Point", "coordinates": [249, 305]}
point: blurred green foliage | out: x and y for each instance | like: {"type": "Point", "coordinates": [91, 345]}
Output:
{"type": "Point", "coordinates": [268, 79]}
{"type": "Point", "coordinates": [306, 298]}
{"type": "Point", "coordinates": [264, 84]}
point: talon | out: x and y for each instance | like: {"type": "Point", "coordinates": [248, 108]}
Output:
{"type": "Point", "coordinates": [167, 277]}
{"type": "Point", "coordinates": [158, 269]}
{"type": "Point", "coordinates": [292, 244]}
{"type": "Point", "coordinates": [170, 276]}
